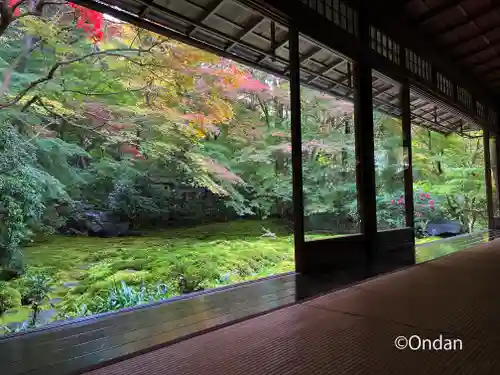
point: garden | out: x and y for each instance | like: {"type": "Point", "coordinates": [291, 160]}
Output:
{"type": "Point", "coordinates": [135, 168]}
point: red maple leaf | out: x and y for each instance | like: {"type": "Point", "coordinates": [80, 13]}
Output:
{"type": "Point", "coordinates": [129, 149]}
{"type": "Point", "coordinates": [17, 11]}
{"type": "Point", "coordinates": [89, 21]}
{"type": "Point", "coordinates": [250, 84]}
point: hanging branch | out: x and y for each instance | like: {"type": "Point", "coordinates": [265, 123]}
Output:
{"type": "Point", "coordinates": [8, 72]}
{"type": "Point", "coordinates": [106, 93]}
{"type": "Point", "coordinates": [11, 13]}
{"type": "Point", "coordinates": [59, 64]}
{"type": "Point", "coordinates": [40, 102]}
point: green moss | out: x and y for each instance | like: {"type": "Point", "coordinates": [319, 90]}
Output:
{"type": "Point", "coordinates": [15, 315]}
{"type": "Point", "coordinates": [321, 236]}
{"type": "Point", "coordinates": [185, 259]}
{"type": "Point", "coordinates": [130, 277]}
{"type": "Point", "coordinates": [129, 264]}
{"type": "Point", "coordinates": [98, 272]}
{"type": "Point", "coordinates": [420, 241]}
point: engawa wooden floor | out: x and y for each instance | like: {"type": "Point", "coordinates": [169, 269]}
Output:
{"type": "Point", "coordinates": [352, 331]}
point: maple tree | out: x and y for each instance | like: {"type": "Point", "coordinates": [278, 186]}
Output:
{"type": "Point", "coordinates": [100, 117]}
{"type": "Point", "coordinates": [119, 115]}
{"type": "Point", "coordinates": [90, 21]}
{"type": "Point", "coordinates": [13, 4]}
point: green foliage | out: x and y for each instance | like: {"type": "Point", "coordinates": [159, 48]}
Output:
{"type": "Point", "coordinates": [22, 188]}
{"type": "Point", "coordinates": [184, 259]}
{"type": "Point", "coordinates": [451, 168]}
{"type": "Point", "coordinates": [160, 134]}
{"type": "Point", "coordinates": [35, 287]}
{"type": "Point", "coordinates": [9, 298]}
{"type": "Point", "coordinates": [117, 297]}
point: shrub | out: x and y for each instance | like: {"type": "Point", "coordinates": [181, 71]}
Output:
{"type": "Point", "coordinates": [130, 278]}
{"type": "Point", "coordinates": [193, 278]}
{"type": "Point", "coordinates": [9, 298]}
{"type": "Point", "coordinates": [129, 264]}
{"type": "Point", "coordinates": [25, 193]}
{"type": "Point", "coordinates": [122, 296]}
{"type": "Point", "coordinates": [35, 287]}
{"type": "Point", "coordinates": [117, 297]}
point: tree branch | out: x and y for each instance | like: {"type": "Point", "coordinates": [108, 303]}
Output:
{"type": "Point", "coordinates": [29, 103]}
{"type": "Point", "coordinates": [7, 12]}
{"type": "Point", "coordinates": [59, 64]}
{"type": "Point", "coordinates": [57, 115]}
{"type": "Point", "coordinates": [8, 72]}
{"type": "Point", "coordinates": [476, 152]}
{"type": "Point", "coordinates": [105, 93]}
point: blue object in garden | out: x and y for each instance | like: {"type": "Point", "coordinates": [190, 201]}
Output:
{"type": "Point", "coordinates": [444, 227]}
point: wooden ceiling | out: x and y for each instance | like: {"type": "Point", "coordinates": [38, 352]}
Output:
{"type": "Point", "coordinates": [235, 30]}
{"type": "Point", "coordinates": [466, 31]}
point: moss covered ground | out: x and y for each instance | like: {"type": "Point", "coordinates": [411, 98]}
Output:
{"type": "Point", "coordinates": [201, 257]}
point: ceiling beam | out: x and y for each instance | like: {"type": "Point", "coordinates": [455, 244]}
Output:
{"type": "Point", "coordinates": [376, 93]}
{"type": "Point", "coordinates": [210, 11]}
{"type": "Point", "coordinates": [433, 12]}
{"type": "Point", "coordinates": [482, 60]}
{"type": "Point", "coordinates": [450, 46]}
{"type": "Point", "coordinates": [484, 68]}
{"type": "Point", "coordinates": [392, 18]}
{"type": "Point", "coordinates": [476, 51]}
{"type": "Point", "coordinates": [495, 4]}
{"type": "Point", "coordinates": [245, 32]}
{"type": "Point", "coordinates": [328, 69]}
{"type": "Point", "coordinates": [306, 57]}
{"type": "Point", "coordinates": [485, 39]}
{"type": "Point", "coordinates": [273, 50]}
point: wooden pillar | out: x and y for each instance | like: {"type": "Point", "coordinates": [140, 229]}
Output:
{"type": "Point", "coordinates": [364, 135]}
{"type": "Point", "coordinates": [408, 173]}
{"type": "Point", "coordinates": [487, 175]}
{"type": "Point", "coordinates": [497, 173]}
{"type": "Point", "coordinates": [297, 183]}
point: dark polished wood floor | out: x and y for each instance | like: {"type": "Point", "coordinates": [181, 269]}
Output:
{"type": "Point", "coordinates": [353, 331]}
{"type": "Point", "coordinates": [89, 343]}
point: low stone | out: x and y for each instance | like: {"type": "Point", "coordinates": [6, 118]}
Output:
{"type": "Point", "coordinates": [71, 284]}
{"type": "Point", "coordinates": [55, 301]}
{"type": "Point", "coordinates": [83, 267]}
{"type": "Point", "coordinates": [45, 316]}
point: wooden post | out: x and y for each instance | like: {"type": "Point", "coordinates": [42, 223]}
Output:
{"type": "Point", "coordinates": [408, 173]}
{"type": "Point", "coordinates": [365, 152]}
{"type": "Point", "coordinates": [298, 195]}
{"type": "Point", "coordinates": [487, 175]}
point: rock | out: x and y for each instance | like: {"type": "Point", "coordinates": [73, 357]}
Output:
{"type": "Point", "coordinates": [129, 271]}
{"type": "Point", "coordinates": [83, 267]}
{"type": "Point", "coordinates": [71, 284]}
{"type": "Point", "coordinates": [45, 316]}
{"type": "Point", "coordinates": [14, 326]}
{"type": "Point", "coordinates": [444, 227]}
{"type": "Point", "coordinates": [97, 224]}
{"type": "Point", "coordinates": [9, 274]}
